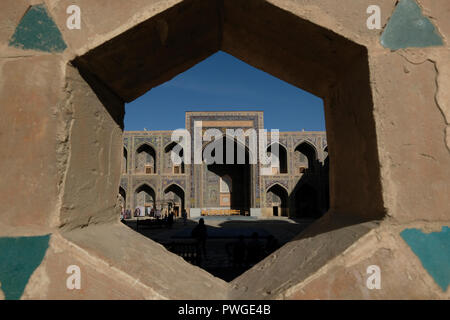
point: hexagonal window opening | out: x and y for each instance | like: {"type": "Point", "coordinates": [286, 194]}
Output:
{"type": "Point", "coordinates": [297, 51]}
{"type": "Point", "coordinates": [290, 199]}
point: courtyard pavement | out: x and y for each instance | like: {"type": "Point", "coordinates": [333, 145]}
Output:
{"type": "Point", "coordinates": [223, 231]}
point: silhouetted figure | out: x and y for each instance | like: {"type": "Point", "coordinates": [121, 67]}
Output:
{"type": "Point", "coordinates": [272, 244]}
{"type": "Point", "coordinates": [200, 234]}
{"type": "Point", "coordinates": [184, 215]}
{"type": "Point", "coordinates": [170, 220]}
{"type": "Point", "coordinates": [254, 250]}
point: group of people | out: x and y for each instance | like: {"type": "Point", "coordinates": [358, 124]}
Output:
{"type": "Point", "coordinates": [125, 214]}
{"type": "Point", "coordinates": [166, 216]}
{"type": "Point", "coordinates": [158, 214]}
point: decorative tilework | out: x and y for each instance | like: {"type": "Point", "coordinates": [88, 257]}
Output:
{"type": "Point", "coordinates": [197, 182]}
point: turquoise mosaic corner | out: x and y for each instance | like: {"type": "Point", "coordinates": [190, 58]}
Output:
{"type": "Point", "coordinates": [408, 27]}
{"type": "Point", "coordinates": [38, 31]}
{"type": "Point", "coordinates": [19, 257]}
{"type": "Point", "coordinates": [433, 250]}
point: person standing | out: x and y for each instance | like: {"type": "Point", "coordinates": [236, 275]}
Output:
{"type": "Point", "coordinates": [170, 220]}
{"type": "Point", "coordinates": [184, 216]}
{"type": "Point", "coordinates": [200, 234]}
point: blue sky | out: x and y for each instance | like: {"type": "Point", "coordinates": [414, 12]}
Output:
{"type": "Point", "coordinates": [224, 83]}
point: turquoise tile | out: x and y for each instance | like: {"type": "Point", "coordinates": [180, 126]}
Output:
{"type": "Point", "coordinates": [37, 31]}
{"type": "Point", "coordinates": [408, 27]}
{"type": "Point", "coordinates": [433, 250]}
{"type": "Point", "coordinates": [19, 257]}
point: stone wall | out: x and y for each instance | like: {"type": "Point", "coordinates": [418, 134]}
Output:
{"type": "Point", "coordinates": [386, 94]}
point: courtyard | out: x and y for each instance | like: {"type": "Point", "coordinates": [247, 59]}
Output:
{"type": "Point", "coordinates": [223, 233]}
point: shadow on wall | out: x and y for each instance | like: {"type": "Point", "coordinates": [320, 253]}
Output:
{"type": "Point", "coordinates": [310, 196]}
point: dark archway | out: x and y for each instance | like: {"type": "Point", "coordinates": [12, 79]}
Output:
{"type": "Point", "coordinates": [125, 161]}
{"type": "Point", "coordinates": [176, 169]}
{"type": "Point", "coordinates": [122, 198]}
{"type": "Point", "coordinates": [308, 155]}
{"type": "Point", "coordinates": [178, 202]}
{"type": "Point", "coordinates": [278, 198]}
{"type": "Point", "coordinates": [234, 179]}
{"type": "Point", "coordinates": [281, 154]}
{"type": "Point", "coordinates": [145, 159]}
{"type": "Point", "coordinates": [145, 196]}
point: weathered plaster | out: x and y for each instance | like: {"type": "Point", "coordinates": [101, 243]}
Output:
{"type": "Point", "coordinates": [381, 108]}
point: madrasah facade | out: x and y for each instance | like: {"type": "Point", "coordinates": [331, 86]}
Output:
{"type": "Point", "coordinates": [297, 187]}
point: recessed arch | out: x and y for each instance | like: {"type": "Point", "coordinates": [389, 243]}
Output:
{"type": "Point", "coordinates": [226, 138]}
{"type": "Point", "coordinates": [280, 143]}
{"type": "Point", "coordinates": [173, 185]}
{"type": "Point", "coordinates": [169, 146]}
{"type": "Point", "coordinates": [307, 144]}
{"type": "Point", "coordinates": [308, 150]}
{"type": "Point", "coordinates": [145, 162]}
{"type": "Point", "coordinates": [125, 160]}
{"type": "Point", "coordinates": [176, 169]}
{"type": "Point", "coordinates": [140, 145]}
{"type": "Point", "coordinates": [145, 196]}
{"type": "Point", "coordinates": [122, 198]}
{"type": "Point", "coordinates": [226, 184]}
{"type": "Point", "coordinates": [176, 189]}
{"type": "Point", "coordinates": [276, 184]}
{"type": "Point", "coordinates": [278, 199]}
{"type": "Point", "coordinates": [240, 176]}
{"type": "Point", "coordinates": [144, 185]}
{"type": "Point", "coordinates": [282, 156]}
